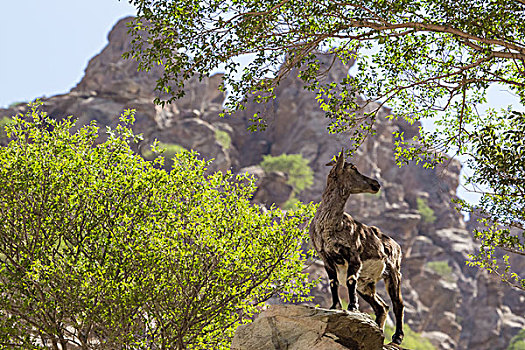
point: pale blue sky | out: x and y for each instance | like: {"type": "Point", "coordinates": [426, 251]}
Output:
{"type": "Point", "coordinates": [45, 45]}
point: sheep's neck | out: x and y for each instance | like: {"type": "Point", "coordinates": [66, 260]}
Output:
{"type": "Point", "coordinates": [332, 205]}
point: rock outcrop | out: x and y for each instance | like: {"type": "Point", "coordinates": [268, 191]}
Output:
{"type": "Point", "coordinates": [272, 187]}
{"type": "Point", "coordinates": [294, 327]}
{"type": "Point", "coordinates": [454, 306]}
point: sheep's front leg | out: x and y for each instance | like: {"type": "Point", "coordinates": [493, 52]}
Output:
{"type": "Point", "coordinates": [334, 286]}
{"type": "Point", "coordinates": [354, 266]}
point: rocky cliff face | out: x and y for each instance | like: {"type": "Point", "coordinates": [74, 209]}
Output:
{"type": "Point", "coordinates": [454, 306]}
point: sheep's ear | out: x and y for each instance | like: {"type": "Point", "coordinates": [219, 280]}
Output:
{"type": "Point", "coordinates": [340, 161]}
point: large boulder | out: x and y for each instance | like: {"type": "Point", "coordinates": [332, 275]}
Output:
{"type": "Point", "coordinates": [272, 187]}
{"type": "Point", "coordinates": [297, 327]}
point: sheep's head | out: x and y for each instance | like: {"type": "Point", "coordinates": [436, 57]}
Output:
{"type": "Point", "coordinates": [348, 179]}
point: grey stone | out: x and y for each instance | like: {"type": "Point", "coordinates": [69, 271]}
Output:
{"type": "Point", "coordinates": [294, 327]}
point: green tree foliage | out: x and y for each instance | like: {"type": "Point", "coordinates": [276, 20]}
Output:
{"type": "Point", "coordinates": [430, 59]}
{"type": "Point", "coordinates": [497, 151]}
{"type": "Point", "coordinates": [299, 173]}
{"type": "Point", "coordinates": [4, 121]}
{"type": "Point", "coordinates": [430, 55]}
{"type": "Point", "coordinates": [427, 214]}
{"type": "Point", "coordinates": [167, 151]}
{"type": "Point", "coordinates": [442, 268]}
{"type": "Point", "coordinates": [100, 249]}
{"type": "Point", "coordinates": [223, 138]}
{"type": "Point", "coordinates": [518, 341]}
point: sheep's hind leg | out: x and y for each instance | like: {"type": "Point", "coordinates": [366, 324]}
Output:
{"type": "Point", "coordinates": [393, 286]}
{"type": "Point", "coordinates": [378, 304]}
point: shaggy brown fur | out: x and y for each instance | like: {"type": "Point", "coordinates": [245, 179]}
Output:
{"type": "Point", "coordinates": [354, 253]}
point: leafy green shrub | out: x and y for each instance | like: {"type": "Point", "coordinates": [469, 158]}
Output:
{"type": "Point", "coordinates": [300, 175]}
{"type": "Point", "coordinates": [168, 151]}
{"type": "Point", "coordinates": [223, 138]}
{"type": "Point", "coordinates": [442, 268]}
{"type": "Point", "coordinates": [427, 214]}
{"type": "Point", "coordinates": [4, 121]}
{"type": "Point", "coordinates": [290, 203]}
{"type": "Point", "coordinates": [100, 249]}
{"type": "Point", "coordinates": [412, 340]}
{"type": "Point", "coordinates": [518, 341]}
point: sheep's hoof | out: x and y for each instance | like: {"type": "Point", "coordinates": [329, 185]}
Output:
{"type": "Point", "coordinates": [335, 307]}
{"type": "Point", "coordinates": [397, 339]}
{"type": "Point", "coordinates": [352, 308]}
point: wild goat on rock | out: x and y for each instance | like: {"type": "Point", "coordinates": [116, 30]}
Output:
{"type": "Point", "coordinates": [354, 253]}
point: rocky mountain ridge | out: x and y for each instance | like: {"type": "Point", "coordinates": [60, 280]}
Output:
{"type": "Point", "coordinates": [454, 306]}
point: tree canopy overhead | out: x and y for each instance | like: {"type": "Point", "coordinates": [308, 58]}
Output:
{"type": "Point", "coordinates": [429, 59]}
{"type": "Point", "coordinates": [430, 55]}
